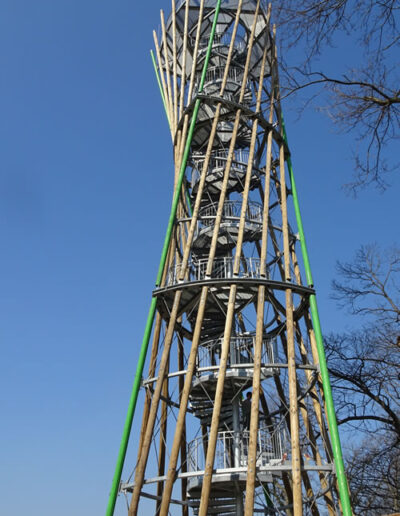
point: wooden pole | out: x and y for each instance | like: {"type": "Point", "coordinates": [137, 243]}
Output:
{"type": "Point", "coordinates": [294, 417]}
{"type": "Point", "coordinates": [180, 423]}
{"type": "Point", "coordinates": [167, 70]}
{"type": "Point", "coordinates": [280, 390]}
{"type": "Point", "coordinates": [203, 298]}
{"type": "Point", "coordinates": [140, 470]}
{"type": "Point", "coordinates": [174, 65]}
{"type": "Point", "coordinates": [183, 69]}
{"type": "Point", "coordinates": [181, 366]}
{"type": "Point", "coordinates": [212, 439]}
{"type": "Point", "coordinates": [255, 402]}
{"type": "Point", "coordinates": [308, 428]}
{"type": "Point", "coordinates": [316, 406]}
{"type": "Point", "coordinates": [164, 86]}
{"type": "Point", "coordinates": [162, 436]}
{"type": "Point", "coordinates": [292, 376]}
{"type": "Point", "coordinates": [153, 362]}
{"type": "Point", "coordinates": [195, 52]}
{"type": "Point", "coordinates": [141, 466]}
{"type": "Point", "coordinates": [213, 435]}
{"type": "Point", "coordinates": [285, 479]}
{"type": "Point", "coordinates": [210, 146]}
{"type": "Point", "coordinates": [197, 332]}
{"type": "Point", "coordinates": [192, 79]}
{"type": "Point", "coordinates": [152, 368]}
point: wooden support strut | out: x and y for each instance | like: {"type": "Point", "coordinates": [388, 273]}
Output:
{"type": "Point", "coordinates": [203, 297]}
{"type": "Point", "coordinates": [279, 386]}
{"type": "Point", "coordinates": [181, 366]}
{"type": "Point", "coordinates": [192, 81]}
{"type": "Point", "coordinates": [183, 69]}
{"type": "Point", "coordinates": [209, 463]}
{"type": "Point", "coordinates": [316, 401]}
{"type": "Point", "coordinates": [141, 466]}
{"type": "Point", "coordinates": [252, 452]}
{"type": "Point", "coordinates": [174, 66]}
{"type": "Point", "coordinates": [164, 86]}
{"type": "Point", "coordinates": [316, 406]}
{"type": "Point", "coordinates": [162, 434]}
{"type": "Point", "coordinates": [152, 368]}
{"type": "Point", "coordinates": [280, 390]}
{"type": "Point", "coordinates": [153, 362]}
{"type": "Point", "coordinates": [292, 376]}
{"type": "Point", "coordinates": [308, 428]}
{"type": "Point", "coordinates": [294, 417]}
{"type": "Point", "coordinates": [167, 70]}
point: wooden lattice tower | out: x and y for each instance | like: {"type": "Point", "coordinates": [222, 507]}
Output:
{"type": "Point", "coordinates": [232, 313]}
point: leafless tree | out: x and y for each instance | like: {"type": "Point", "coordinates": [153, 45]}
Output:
{"type": "Point", "coordinates": [374, 473]}
{"type": "Point", "coordinates": [365, 368]}
{"type": "Point", "coordinates": [364, 100]}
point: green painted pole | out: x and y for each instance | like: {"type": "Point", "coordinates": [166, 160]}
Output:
{"type": "Point", "coordinates": [187, 150]}
{"type": "Point", "coordinates": [150, 318]}
{"type": "Point", "coordinates": [268, 500]}
{"type": "Point", "coordinates": [160, 86]}
{"type": "Point", "coordinates": [166, 112]}
{"type": "Point", "coordinates": [189, 204]}
{"type": "Point", "coordinates": [330, 409]}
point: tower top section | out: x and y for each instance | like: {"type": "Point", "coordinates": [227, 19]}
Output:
{"type": "Point", "coordinates": [247, 5]}
{"type": "Point", "coordinates": [225, 24]}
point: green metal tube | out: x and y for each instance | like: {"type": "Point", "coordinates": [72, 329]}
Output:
{"type": "Point", "coordinates": [160, 86]}
{"type": "Point", "coordinates": [268, 500]}
{"type": "Point", "coordinates": [150, 318]}
{"type": "Point", "coordinates": [187, 150]}
{"type": "Point", "coordinates": [326, 384]}
{"type": "Point", "coordinates": [166, 112]}
{"type": "Point", "coordinates": [131, 409]}
{"type": "Point", "coordinates": [189, 204]}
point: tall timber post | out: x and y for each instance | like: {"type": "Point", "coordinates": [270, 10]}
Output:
{"type": "Point", "coordinates": [238, 416]}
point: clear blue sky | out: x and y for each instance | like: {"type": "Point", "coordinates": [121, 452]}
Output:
{"type": "Point", "coordinates": [85, 182]}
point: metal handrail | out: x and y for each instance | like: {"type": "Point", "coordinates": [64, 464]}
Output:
{"type": "Point", "coordinates": [231, 94]}
{"type": "Point", "coordinates": [232, 449]}
{"type": "Point", "coordinates": [222, 269]}
{"type": "Point", "coordinates": [241, 351]}
{"type": "Point", "coordinates": [219, 158]}
{"type": "Point", "coordinates": [216, 73]}
{"type": "Point", "coordinates": [218, 161]}
{"type": "Point", "coordinates": [223, 40]}
{"type": "Point", "coordinates": [232, 210]}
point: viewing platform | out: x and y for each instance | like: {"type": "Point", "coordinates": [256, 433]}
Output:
{"type": "Point", "coordinates": [231, 458]}
{"type": "Point", "coordinates": [222, 268]}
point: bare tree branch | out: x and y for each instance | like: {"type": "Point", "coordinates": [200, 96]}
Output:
{"type": "Point", "coordinates": [364, 365]}
{"type": "Point", "coordinates": [364, 100]}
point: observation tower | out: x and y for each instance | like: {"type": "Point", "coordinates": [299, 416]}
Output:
{"type": "Point", "coordinates": [234, 309]}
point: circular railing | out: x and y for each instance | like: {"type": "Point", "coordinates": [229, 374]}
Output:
{"type": "Point", "coordinates": [217, 164]}
{"type": "Point", "coordinates": [232, 449]}
{"type": "Point", "coordinates": [231, 211]}
{"type": "Point", "coordinates": [220, 40]}
{"type": "Point", "coordinates": [216, 73]}
{"type": "Point", "coordinates": [241, 351]}
{"type": "Point", "coordinates": [222, 269]}
{"type": "Point", "coordinates": [219, 158]}
{"type": "Point", "coordinates": [213, 82]}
